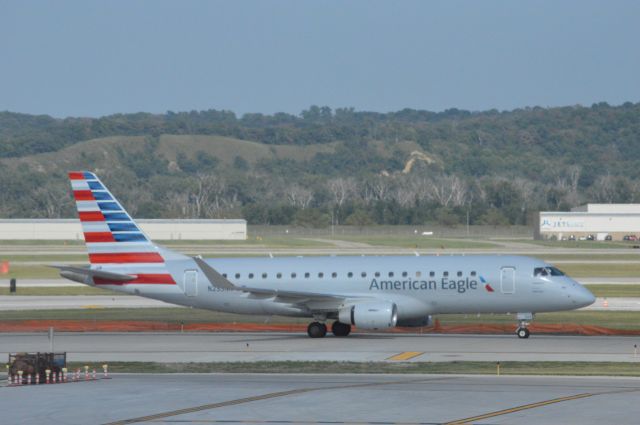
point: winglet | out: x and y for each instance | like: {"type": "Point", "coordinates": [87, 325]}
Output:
{"type": "Point", "coordinates": [215, 278]}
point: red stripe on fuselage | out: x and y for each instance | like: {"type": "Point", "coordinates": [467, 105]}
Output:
{"type": "Point", "coordinates": [143, 279]}
{"type": "Point", "coordinates": [74, 175]}
{"type": "Point", "coordinates": [98, 237]}
{"type": "Point", "coordinates": [83, 195]}
{"type": "Point", "coordinates": [126, 257]}
{"type": "Point", "coordinates": [91, 216]}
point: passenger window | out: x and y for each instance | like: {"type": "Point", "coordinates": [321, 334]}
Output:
{"type": "Point", "coordinates": [473, 273]}
{"type": "Point", "coordinates": [404, 274]}
{"type": "Point", "coordinates": [363, 274]}
{"type": "Point", "coordinates": [264, 275]}
{"type": "Point", "coordinates": [334, 275]}
{"type": "Point", "coordinates": [445, 274]}
{"type": "Point", "coordinates": [320, 275]}
{"type": "Point", "coordinates": [250, 275]}
{"type": "Point", "coordinates": [418, 274]}
{"type": "Point", "coordinates": [377, 274]}
{"type": "Point", "coordinates": [306, 275]}
{"type": "Point", "coordinates": [432, 274]}
{"type": "Point", "coordinates": [390, 274]}
{"type": "Point", "coordinates": [293, 275]}
{"type": "Point", "coordinates": [279, 275]}
{"type": "Point", "coordinates": [350, 274]}
{"type": "Point", "coordinates": [237, 275]}
{"type": "Point", "coordinates": [459, 274]}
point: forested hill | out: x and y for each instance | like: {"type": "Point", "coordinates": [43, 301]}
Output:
{"type": "Point", "coordinates": [408, 167]}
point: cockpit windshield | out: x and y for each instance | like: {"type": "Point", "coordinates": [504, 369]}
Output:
{"type": "Point", "coordinates": [547, 271]}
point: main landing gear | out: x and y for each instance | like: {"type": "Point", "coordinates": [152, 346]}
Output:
{"type": "Point", "coordinates": [523, 322]}
{"type": "Point", "coordinates": [319, 330]}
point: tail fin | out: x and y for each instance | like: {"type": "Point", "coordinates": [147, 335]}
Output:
{"type": "Point", "coordinates": [113, 239]}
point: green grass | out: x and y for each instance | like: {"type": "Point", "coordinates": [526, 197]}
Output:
{"type": "Point", "coordinates": [456, 367]}
{"type": "Point", "coordinates": [59, 290]}
{"type": "Point", "coordinates": [44, 258]}
{"type": "Point", "coordinates": [416, 242]}
{"type": "Point", "coordinates": [601, 270]}
{"type": "Point", "coordinates": [170, 315]}
{"type": "Point", "coordinates": [39, 242]}
{"type": "Point", "coordinates": [612, 291]}
{"type": "Point", "coordinates": [609, 319]}
{"type": "Point", "coordinates": [587, 256]}
{"type": "Point", "coordinates": [24, 271]}
{"type": "Point", "coordinates": [255, 241]}
{"type": "Point", "coordinates": [582, 244]}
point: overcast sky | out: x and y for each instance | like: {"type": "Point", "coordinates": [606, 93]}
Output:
{"type": "Point", "coordinates": [89, 58]}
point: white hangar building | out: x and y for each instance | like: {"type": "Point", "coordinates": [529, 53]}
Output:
{"type": "Point", "coordinates": [70, 229]}
{"type": "Point", "coordinates": [599, 220]}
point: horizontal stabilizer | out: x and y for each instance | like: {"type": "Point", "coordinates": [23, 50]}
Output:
{"type": "Point", "coordinates": [85, 274]}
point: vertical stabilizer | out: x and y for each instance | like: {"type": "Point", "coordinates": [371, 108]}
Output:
{"type": "Point", "coordinates": [114, 240]}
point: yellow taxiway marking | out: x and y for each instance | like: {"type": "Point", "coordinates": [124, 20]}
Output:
{"type": "Point", "coordinates": [518, 409]}
{"type": "Point", "coordinates": [92, 306]}
{"type": "Point", "coordinates": [406, 355]}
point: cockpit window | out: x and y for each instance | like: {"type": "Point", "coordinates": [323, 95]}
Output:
{"type": "Point", "coordinates": [547, 271]}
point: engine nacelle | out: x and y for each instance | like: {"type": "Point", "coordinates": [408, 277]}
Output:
{"type": "Point", "coordinates": [416, 322]}
{"type": "Point", "coordinates": [377, 315]}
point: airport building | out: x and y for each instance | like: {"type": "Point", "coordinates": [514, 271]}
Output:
{"type": "Point", "coordinates": [591, 221]}
{"type": "Point", "coordinates": [70, 229]}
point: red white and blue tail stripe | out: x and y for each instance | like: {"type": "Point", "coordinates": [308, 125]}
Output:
{"type": "Point", "coordinates": [113, 239]}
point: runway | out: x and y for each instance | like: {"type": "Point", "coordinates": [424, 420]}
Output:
{"type": "Point", "coordinates": [248, 347]}
{"type": "Point", "coordinates": [324, 399]}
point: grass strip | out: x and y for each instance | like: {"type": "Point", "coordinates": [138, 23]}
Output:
{"type": "Point", "coordinates": [455, 367]}
{"type": "Point", "coordinates": [624, 320]}
{"type": "Point", "coordinates": [601, 270]}
{"type": "Point", "coordinates": [613, 291]}
{"type": "Point", "coordinates": [59, 290]}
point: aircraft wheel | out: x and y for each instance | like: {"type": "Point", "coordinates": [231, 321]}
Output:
{"type": "Point", "coordinates": [522, 333]}
{"type": "Point", "coordinates": [317, 330]}
{"type": "Point", "coordinates": [340, 329]}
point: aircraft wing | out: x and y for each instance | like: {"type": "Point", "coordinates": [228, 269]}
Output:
{"type": "Point", "coordinates": [311, 300]}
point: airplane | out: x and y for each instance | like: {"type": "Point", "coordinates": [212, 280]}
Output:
{"type": "Point", "coordinates": [374, 292]}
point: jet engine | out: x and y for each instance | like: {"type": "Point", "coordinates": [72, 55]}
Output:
{"type": "Point", "coordinates": [377, 315]}
{"type": "Point", "coordinates": [416, 322]}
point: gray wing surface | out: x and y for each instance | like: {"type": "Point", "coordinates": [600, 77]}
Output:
{"type": "Point", "coordinates": [311, 300]}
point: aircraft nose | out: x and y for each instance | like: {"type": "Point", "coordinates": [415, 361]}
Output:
{"type": "Point", "coordinates": [582, 296]}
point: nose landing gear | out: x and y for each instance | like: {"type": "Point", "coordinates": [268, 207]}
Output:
{"type": "Point", "coordinates": [523, 322]}
{"type": "Point", "coordinates": [522, 332]}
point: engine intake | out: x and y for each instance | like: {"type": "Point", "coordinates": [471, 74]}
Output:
{"type": "Point", "coordinates": [380, 315]}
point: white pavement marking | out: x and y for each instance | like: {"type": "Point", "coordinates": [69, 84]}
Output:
{"type": "Point", "coordinates": [359, 347]}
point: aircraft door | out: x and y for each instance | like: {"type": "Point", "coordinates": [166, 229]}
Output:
{"type": "Point", "coordinates": [191, 283]}
{"type": "Point", "coordinates": [508, 280]}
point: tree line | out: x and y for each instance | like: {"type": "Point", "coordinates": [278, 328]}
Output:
{"type": "Point", "coordinates": [488, 167]}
